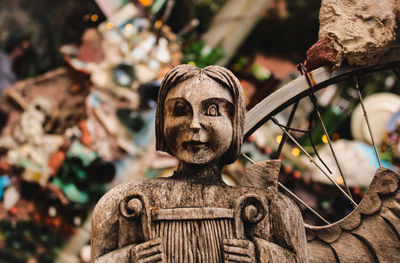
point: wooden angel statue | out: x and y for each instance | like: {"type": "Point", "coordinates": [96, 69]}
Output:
{"type": "Point", "coordinates": [194, 216]}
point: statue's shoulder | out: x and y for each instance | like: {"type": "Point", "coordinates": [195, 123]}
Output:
{"type": "Point", "coordinates": [262, 178]}
{"type": "Point", "coordinates": [262, 175]}
{"type": "Point", "coordinates": [109, 203]}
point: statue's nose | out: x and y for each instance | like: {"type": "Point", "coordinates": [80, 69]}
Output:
{"type": "Point", "coordinates": [195, 123]}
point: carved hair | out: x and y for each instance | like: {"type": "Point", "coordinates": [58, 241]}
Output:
{"type": "Point", "coordinates": [222, 76]}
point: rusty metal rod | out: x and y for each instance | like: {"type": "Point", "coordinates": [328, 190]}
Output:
{"type": "Point", "coordinates": [312, 160]}
{"type": "Point", "coordinates": [334, 154]}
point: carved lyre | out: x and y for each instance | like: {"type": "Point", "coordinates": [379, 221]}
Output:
{"type": "Point", "coordinates": [249, 210]}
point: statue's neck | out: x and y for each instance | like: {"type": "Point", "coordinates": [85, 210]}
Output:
{"type": "Point", "coordinates": [204, 174]}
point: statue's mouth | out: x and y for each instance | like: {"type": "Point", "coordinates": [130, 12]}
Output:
{"type": "Point", "coordinates": [194, 145]}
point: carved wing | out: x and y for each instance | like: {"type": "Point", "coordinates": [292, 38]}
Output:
{"type": "Point", "coordinates": [371, 233]}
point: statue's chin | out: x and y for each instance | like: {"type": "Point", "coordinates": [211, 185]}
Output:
{"type": "Point", "coordinates": [200, 161]}
{"type": "Point", "coordinates": [201, 157]}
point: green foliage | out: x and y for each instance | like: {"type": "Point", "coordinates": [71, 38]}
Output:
{"type": "Point", "coordinates": [202, 55]}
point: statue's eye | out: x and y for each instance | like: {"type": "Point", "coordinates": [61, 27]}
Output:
{"type": "Point", "coordinates": [179, 109]}
{"type": "Point", "coordinates": [212, 110]}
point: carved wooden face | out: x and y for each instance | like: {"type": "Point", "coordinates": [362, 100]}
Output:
{"type": "Point", "coordinates": [198, 117]}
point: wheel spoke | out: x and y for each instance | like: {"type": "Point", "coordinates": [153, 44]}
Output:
{"type": "Point", "coordinates": [333, 153]}
{"type": "Point", "coordinates": [303, 203]}
{"type": "Point", "coordinates": [366, 119]}
{"type": "Point", "coordinates": [284, 136]}
{"type": "Point", "coordinates": [313, 98]}
{"type": "Point", "coordinates": [312, 160]}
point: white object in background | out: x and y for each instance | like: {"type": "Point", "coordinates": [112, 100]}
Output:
{"type": "Point", "coordinates": [326, 95]}
{"type": "Point", "coordinates": [357, 160]}
{"type": "Point", "coordinates": [85, 254]}
{"type": "Point", "coordinates": [127, 12]}
{"type": "Point", "coordinates": [161, 52]}
{"type": "Point", "coordinates": [380, 107]}
{"type": "Point", "coordinates": [11, 197]}
{"type": "Point", "coordinates": [108, 7]}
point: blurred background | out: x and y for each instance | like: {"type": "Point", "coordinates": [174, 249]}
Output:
{"type": "Point", "coordinates": [79, 81]}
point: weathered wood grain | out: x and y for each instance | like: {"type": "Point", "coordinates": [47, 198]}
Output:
{"type": "Point", "coordinates": [370, 233]}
